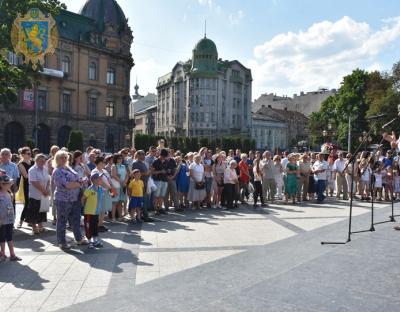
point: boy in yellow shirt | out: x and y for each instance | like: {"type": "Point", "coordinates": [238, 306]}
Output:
{"type": "Point", "coordinates": [136, 193]}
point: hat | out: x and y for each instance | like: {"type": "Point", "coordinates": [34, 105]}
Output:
{"type": "Point", "coordinates": [94, 176]}
{"type": "Point", "coordinates": [5, 179]}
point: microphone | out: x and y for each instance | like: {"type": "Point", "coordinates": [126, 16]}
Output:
{"type": "Point", "coordinates": [376, 117]}
{"type": "Point", "coordinates": [389, 123]}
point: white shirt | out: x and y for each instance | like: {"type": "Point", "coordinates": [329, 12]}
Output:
{"type": "Point", "coordinates": [284, 162]}
{"type": "Point", "coordinates": [318, 165]}
{"type": "Point", "coordinates": [366, 174]}
{"type": "Point", "coordinates": [378, 179]}
{"type": "Point", "coordinates": [197, 171]}
{"type": "Point", "coordinates": [230, 176]}
{"type": "Point", "coordinates": [339, 165]}
{"type": "Point", "coordinates": [35, 174]}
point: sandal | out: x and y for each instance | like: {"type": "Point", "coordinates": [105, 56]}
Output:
{"type": "Point", "coordinates": [3, 258]}
{"type": "Point", "coordinates": [15, 258]}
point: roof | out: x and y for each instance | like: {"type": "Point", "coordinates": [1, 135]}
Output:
{"type": "Point", "coordinates": [144, 102]}
{"type": "Point", "coordinates": [74, 26]}
{"type": "Point", "coordinates": [281, 114]}
{"type": "Point", "coordinates": [206, 47]}
{"type": "Point", "coordinates": [145, 109]}
{"type": "Point", "coordinates": [105, 12]}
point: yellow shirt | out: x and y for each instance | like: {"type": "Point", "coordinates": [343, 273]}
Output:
{"type": "Point", "coordinates": [136, 188]}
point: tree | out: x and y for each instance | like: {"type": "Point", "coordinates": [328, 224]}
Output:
{"type": "Point", "coordinates": [14, 78]}
{"type": "Point", "coordinates": [75, 141]}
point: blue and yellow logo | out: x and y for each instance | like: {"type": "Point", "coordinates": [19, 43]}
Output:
{"type": "Point", "coordinates": [34, 35]}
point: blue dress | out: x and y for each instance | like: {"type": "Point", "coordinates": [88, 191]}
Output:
{"type": "Point", "coordinates": [182, 179]}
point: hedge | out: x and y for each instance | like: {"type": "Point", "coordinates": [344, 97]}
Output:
{"type": "Point", "coordinates": [190, 144]}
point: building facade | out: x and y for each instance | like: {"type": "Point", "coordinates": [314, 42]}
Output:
{"type": "Point", "coordinates": [269, 133]}
{"type": "Point", "coordinates": [205, 96]}
{"type": "Point", "coordinates": [85, 84]}
{"type": "Point", "coordinates": [279, 128]}
{"type": "Point", "coordinates": [305, 103]}
{"type": "Point", "coordinates": [143, 112]}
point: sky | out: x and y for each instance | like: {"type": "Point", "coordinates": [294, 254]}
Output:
{"type": "Point", "coordinates": [290, 45]}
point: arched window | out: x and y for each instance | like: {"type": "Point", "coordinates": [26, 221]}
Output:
{"type": "Point", "coordinates": [92, 71]}
{"type": "Point", "coordinates": [66, 64]}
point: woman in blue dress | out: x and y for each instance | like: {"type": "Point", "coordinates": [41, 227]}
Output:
{"type": "Point", "coordinates": [182, 182]}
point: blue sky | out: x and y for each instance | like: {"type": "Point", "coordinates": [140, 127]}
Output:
{"type": "Point", "coordinates": [290, 45]}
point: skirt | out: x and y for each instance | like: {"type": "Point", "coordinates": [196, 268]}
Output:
{"type": "Point", "coordinates": [311, 185]}
{"type": "Point", "coordinates": [195, 195]}
{"type": "Point", "coordinates": [33, 214]}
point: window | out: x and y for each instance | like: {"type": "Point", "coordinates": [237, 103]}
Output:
{"type": "Point", "coordinates": [92, 109]}
{"type": "Point", "coordinates": [66, 65]}
{"type": "Point", "coordinates": [42, 100]}
{"type": "Point", "coordinates": [212, 117]}
{"type": "Point", "coordinates": [110, 109]}
{"type": "Point", "coordinates": [12, 58]}
{"type": "Point", "coordinates": [111, 76]}
{"type": "Point", "coordinates": [92, 71]}
{"type": "Point", "coordinates": [202, 117]}
{"type": "Point", "coordinates": [66, 103]}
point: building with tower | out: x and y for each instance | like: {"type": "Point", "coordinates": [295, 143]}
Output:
{"type": "Point", "coordinates": [85, 84]}
{"type": "Point", "coordinates": [205, 96]}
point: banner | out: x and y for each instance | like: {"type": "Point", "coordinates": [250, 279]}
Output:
{"type": "Point", "coordinates": [28, 99]}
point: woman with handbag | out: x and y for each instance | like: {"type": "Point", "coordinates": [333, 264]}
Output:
{"type": "Point", "coordinates": [39, 192]}
{"type": "Point", "coordinates": [197, 191]}
{"type": "Point", "coordinates": [24, 165]}
{"type": "Point", "coordinates": [218, 170]}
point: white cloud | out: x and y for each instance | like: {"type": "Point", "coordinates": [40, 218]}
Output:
{"type": "Point", "coordinates": [321, 55]}
{"type": "Point", "coordinates": [235, 18]}
{"type": "Point", "coordinates": [206, 2]}
{"type": "Point", "coordinates": [147, 72]}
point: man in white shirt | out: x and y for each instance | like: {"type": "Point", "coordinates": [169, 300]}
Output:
{"type": "Point", "coordinates": [341, 183]}
{"type": "Point", "coordinates": [285, 160]}
{"type": "Point", "coordinates": [319, 170]}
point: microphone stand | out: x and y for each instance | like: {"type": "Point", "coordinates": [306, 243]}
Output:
{"type": "Point", "coordinates": [391, 217]}
{"type": "Point", "coordinates": [352, 160]}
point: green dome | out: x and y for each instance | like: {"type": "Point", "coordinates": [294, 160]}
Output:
{"type": "Point", "coordinates": [206, 46]}
{"type": "Point", "coordinates": [205, 57]}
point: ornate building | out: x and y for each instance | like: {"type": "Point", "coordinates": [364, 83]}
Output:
{"type": "Point", "coordinates": [205, 96]}
{"type": "Point", "coordinates": [85, 84]}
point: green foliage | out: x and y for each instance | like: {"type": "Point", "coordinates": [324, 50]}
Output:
{"type": "Point", "coordinates": [193, 144]}
{"type": "Point", "coordinates": [29, 142]}
{"type": "Point", "coordinates": [14, 78]}
{"type": "Point", "coordinates": [361, 94]}
{"type": "Point", "coordinates": [75, 141]}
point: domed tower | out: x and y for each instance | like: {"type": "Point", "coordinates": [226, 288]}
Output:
{"type": "Point", "coordinates": [111, 22]}
{"type": "Point", "coordinates": [205, 56]}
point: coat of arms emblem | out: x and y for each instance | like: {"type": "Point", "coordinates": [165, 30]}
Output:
{"type": "Point", "coordinates": [34, 35]}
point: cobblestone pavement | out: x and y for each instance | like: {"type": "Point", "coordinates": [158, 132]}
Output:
{"type": "Point", "coordinates": [214, 251]}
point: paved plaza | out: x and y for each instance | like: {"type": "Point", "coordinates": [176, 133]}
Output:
{"type": "Point", "coordinates": [215, 260]}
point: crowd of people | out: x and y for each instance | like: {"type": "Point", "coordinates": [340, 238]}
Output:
{"type": "Point", "coordinates": [93, 189]}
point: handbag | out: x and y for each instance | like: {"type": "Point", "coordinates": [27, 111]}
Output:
{"type": "Point", "coordinates": [151, 186]}
{"type": "Point", "coordinates": [44, 204]}
{"type": "Point", "coordinates": [199, 186]}
{"type": "Point", "coordinates": [20, 195]}
{"type": "Point", "coordinates": [250, 187]}
{"type": "Point", "coordinates": [115, 183]}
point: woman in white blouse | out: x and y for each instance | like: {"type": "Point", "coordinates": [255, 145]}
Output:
{"type": "Point", "coordinates": [230, 179]}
